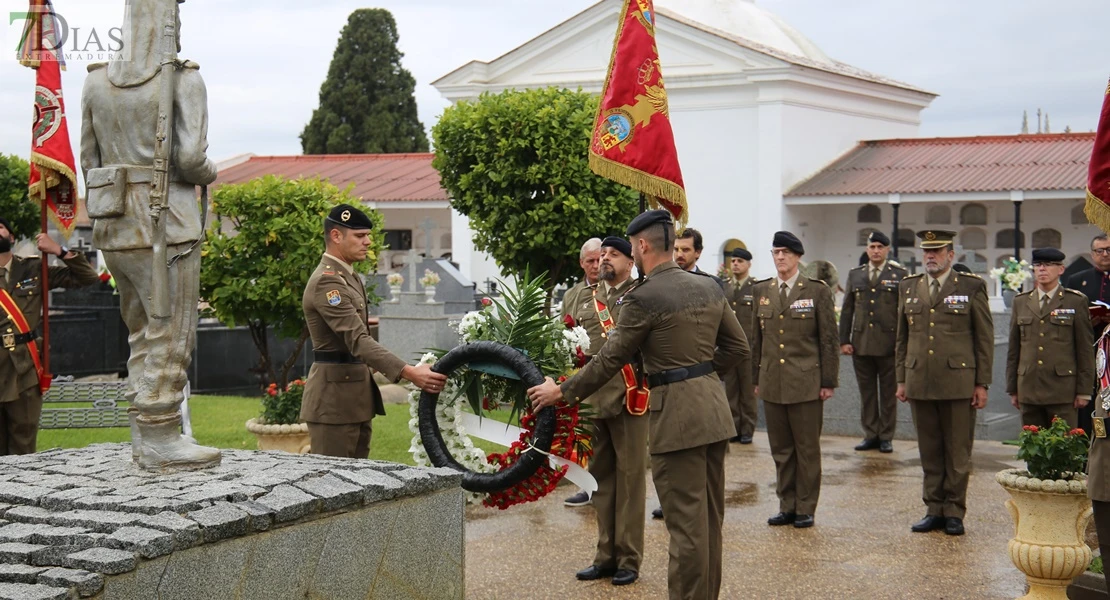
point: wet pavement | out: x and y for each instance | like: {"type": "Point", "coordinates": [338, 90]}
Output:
{"type": "Point", "coordinates": [861, 546]}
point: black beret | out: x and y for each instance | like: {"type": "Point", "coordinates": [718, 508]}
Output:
{"type": "Point", "coordinates": [878, 237]}
{"type": "Point", "coordinates": [785, 239]}
{"type": "Point", "coordinates": [651, 217]}
{"type": "Point", "coordinates": [1047, 255]}
{"type": "Point", "coordinates": [4, 222]}
{"type": "Point", "coordinates": [619, 244]}
{"type": "Point", "coordinates": [350, 217]}
{"type": "Point", "coordinates": [740, 253]}
{"type": "Point", "coordinates": [961, 268]}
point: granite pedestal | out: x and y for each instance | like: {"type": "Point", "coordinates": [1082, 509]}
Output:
{"type": "Point", "coordinates": [263, 525]}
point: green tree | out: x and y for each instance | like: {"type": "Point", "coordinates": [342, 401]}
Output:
{"type": "Point", "coordinates": [366, 102]}
{"type": "Point", "coordinates": [15, 204]}
{"type": "Point", "coordinates": [515, 164]}
{"type": "Point", "coordinates": [265, 243]}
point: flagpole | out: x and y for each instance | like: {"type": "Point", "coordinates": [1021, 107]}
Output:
{"type": "Point", "coordinates": [44, 289]}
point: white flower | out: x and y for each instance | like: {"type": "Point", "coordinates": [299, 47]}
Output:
{"type": "Point", "coordinates": [395, 279]}
{"type": "Point", "coordinates": [428, 359]}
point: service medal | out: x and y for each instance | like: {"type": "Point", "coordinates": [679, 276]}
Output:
{"type": "Point", "coordinates": [1100, 362]}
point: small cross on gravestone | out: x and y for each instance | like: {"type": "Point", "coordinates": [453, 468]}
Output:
{"type": "Point", "coordinates": [912, 264]}
{"type": "Point", "coordinates": [428, 225]}
{"type": "Point", "coordinates": [411, 259]}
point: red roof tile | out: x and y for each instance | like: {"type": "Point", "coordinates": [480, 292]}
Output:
{"type": "Point", "coordinates": [377, 177]}
{"type": "Point", "coordinates": [958, 164]}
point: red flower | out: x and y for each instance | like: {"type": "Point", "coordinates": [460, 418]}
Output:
{"type": "Point", "coordinates": [487, 302]}
{"type": "Point", "coordinates": [272, 391]}
{"type": "Point", "coordinates": [582, 358]}
{"type": "Point", "coordinates": [561, 379]}
{"type": "Point", "coordinates": [105, 277]}
{"type": "Point", "coordinates": [1054, 419]}
{"type": "Point", "coordinates": [570, 322]}
{"type": "Point", "coordinates": [486, 404]}
{"type": "Point", "coordinates": [1077, 431]}
{"type": "Point", "coordinates": [1034, 429]}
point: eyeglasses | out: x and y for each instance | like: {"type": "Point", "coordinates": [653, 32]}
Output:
{"type": "Point", "coordinates": [1045, 265]}
{"type": "Point", "coordinates": [1100, 251]}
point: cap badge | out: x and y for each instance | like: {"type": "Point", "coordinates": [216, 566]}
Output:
{"type": "Point", "coordinates": [346, 216]}
{"type": "Point", "coordinates": [929, 235]}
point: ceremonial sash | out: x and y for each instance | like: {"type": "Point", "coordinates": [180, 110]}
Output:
{"type": "Point", "coordinates": [17, 319]}
{"type": "Point", "coordinates": [1103, 395]}
{"type": "Point", "coordinates": [636, 396]}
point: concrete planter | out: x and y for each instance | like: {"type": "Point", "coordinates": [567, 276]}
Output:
{"type": "Point", "coordinates": [1050, 523]}
{"type": "Point", "coordinates": [1088, 586]}
{"type": "Point", "coordinates": [286, 438]}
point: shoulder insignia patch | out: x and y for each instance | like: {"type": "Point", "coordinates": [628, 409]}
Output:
{"type": "Point", "coordinates": [334, 298]}
{"type": "Point", "coordinates": [328, 272]}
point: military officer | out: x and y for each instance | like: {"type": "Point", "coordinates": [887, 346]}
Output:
{"type": "Point", "coordinates": [796, 367]}
{"type": "Point", "coordinates": [1098, 461]}
{"type": "Point", "coordinates": [868, 326]}
{"type": "Point", "coordinates": [943, 358]}
{"type": "Point", "coordinates": [20, 313]}
{"type": "Point", "coordinates": [738, 382]}
{"type": "Point", "coordinates": [1050, 366]}
{"type": "Point", "coordinates": [1094, 283]}
{"type": "Point", "coordinates": [340, 396]}
{"type": "Point", "coordinates": [620, 438]}
{"type": "Point", "coordinates": [688, 335]}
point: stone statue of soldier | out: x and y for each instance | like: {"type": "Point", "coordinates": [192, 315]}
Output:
{"type": "Point", "coordinates": [140, 175]}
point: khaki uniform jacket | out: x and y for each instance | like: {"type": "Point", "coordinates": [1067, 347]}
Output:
{"type": "Point", "coordinates": [869, 315]}
{"type": "Point", "coordinates": [794, 346]}
{"type": "Point", "coordinates": [17, 369]}
{"type": "Point", "coordinates": [1098, 461]}
{"type": "Point", "coordinates": [677, 319]}
{"type": "Point", "coordinates": [741, 300]}
{"type": "Point", "coordinates": [1051, 359]}
{"type": "Point", "coordinates": [607, 402]}
{"type": "Point", "coordinates": [946, 348]}
{"type": "Point", "coordinates": [334, 305]}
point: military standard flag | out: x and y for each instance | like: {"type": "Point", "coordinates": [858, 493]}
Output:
{"type": "Point", "coordinates": [1098, 174]}
{"type": "Point", "coordinates": [633, 142]}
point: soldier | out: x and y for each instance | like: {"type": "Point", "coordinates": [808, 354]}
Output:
{"type": "Point", "coordinates": [20, 312]}
{"type": "Point", "coordinates": [738, 382]}
{"type": "Point", "coordinates": [868, 326]}
{"type": "Point", "coordinates": [620, 437]}
{"type": "Point", "coordinates": [943, 359]}
{"type": "Point", "coordinates": [1050, 366]}
{"type": "Point", "coordinates": [795, 368]}
{"type": "Point", "coordinates": [340, 396]}
{"type": "Point", "coordinates": [120, 146]}
{"type": "Point", "coordinates": [1098, 462]}
{"type": "Point", "coordinates": [687, 334]}
{"type": "Point", "coordinates": [1094, 283]}
{"type": "Point", "coordinates": [576, 302]}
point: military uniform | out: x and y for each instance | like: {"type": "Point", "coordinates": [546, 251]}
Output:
{"type": "Point", "coordinates": [1095, 285]}
{"type": "Point", "coordinates": [20, 399]}
{"type": "Point", "coordinates": [1051, 355]}
{"type": "Point", "coordinates": [340, 395]}
{"type": "Point", "coordinates": [688, 335]}
{"type": "Point", "coordinates": [869, 322]}
{"type": "Point", "coordinates": [1098, 461]}
{"type": "Point", "coordinates": [795, 354]}
{"type": "Point", "coordinates": [738, 381]}
{"type": "Point", "coordinates": [573, 300]}
{"type": "Point", "coordinates": [619, 446]}
{"type": "Point", "coordinates": [945, 349]}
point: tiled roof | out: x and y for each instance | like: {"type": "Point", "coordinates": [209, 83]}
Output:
{"type": "Point", "coordinates": [953, 165]}
{"type": "Point", "coordinates": [377, 177]}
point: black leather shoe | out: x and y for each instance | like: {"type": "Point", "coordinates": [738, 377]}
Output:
{"type": "Point", "coordinates": [735, 439]}
{"type": "Point", "coordinates": [657, 513]}
{"type": "Point", "coordinates": [954, 526]}
{"type": "Point", "coordinates": [868, 444]}
{"type": "Point", "coordinates": [886, 447]}
{"type": "Point", "coordinates": [745, 439]}
{"type": "Point", "coordinates": [625, 577]}
{"type": "Point", "coordinates": [803, 521]}
{"type": "Point", "coordinates": [593, 572]}
{"type": "Point", "coordinates": [783, 518]}
{"type": "Point", "coordinates": [929, 523]}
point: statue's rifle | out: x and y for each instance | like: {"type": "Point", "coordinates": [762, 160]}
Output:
{"type": "Point", "coordinates": [160, 182]}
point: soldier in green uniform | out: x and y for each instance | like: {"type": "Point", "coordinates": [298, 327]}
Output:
{"type": "Point", "coordinates": [1050, 366]}
{"type": "Point", "coordinates": [688, 335]}
{"type": "Point", "coordinates": [619, 437]}
{"type": "Point", "coordinates": [340, 396]}
{"type": "Point", "coordinates": [943, 359]}
{"type": "Point", "coordinates": [20, 396]}
{"type": "Point", "coordinates": [868, 326]}
{"type": "Point", "coordinates": [796, 367]}
{"type": "Point", "coordinates": [738, 382]}
{"type": "Point", "coordinates": [1098, 461]}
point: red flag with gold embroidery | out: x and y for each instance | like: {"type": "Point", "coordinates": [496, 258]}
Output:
{"type": "Point", "coordinates": [1098, 173]}
{"type": "Point", "coordinates": [633, 142]}
{"type": "Point", "coordinates": [53, 173]}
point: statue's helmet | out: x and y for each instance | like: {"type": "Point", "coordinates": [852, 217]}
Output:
{"type": "Point", "coordinates": [144, 25]}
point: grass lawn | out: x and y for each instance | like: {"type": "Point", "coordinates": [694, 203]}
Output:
{"type": "Point", "coordinates": [220, 421]}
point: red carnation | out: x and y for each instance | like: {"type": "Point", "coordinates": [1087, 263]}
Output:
{"type": "Point", "coordinates": [570, 322]}
{"type": "Point", "coordinates": [487, 302]}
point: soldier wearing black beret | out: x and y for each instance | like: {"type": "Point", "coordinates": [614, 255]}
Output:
{"type": "Point", "coordinates": [738, 382]}
{"type": "Point", "coordinates": [340, 396]}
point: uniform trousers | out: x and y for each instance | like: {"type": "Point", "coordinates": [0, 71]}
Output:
{"type": "Point", "coordinates": [1041, 414]}
{"type": "Point", "coordinates": [19, 423]}
{"type": "Point", "coordinates": [691, 488]}
{"type": "Point", "coordinates": [1102, 526]}
{"type": "Point", "coordinates": [794, 432]}
{"type": "Point", "coordinates": [620, 451]}
{"type": "Point", "coordinates": [349, 440]}
{"type": "Point", "coordinates": [877, 386]}
{"type": "Point", "coordinates": [741, 397]}
{"type": "Point", "coordinates": [945, 432]}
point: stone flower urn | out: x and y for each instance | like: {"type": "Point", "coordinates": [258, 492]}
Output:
{"type": "Point", "coordinates": [1050, 523]}
{"type": "Point", "coordinates": [430, 293]}
{"type": "Point", "coordinates": [287, 438]}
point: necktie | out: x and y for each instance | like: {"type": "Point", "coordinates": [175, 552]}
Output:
{"type": "Point", "coordinates": [934, 291]}
{"type": "Point", "coordinates": [782, 294]}
{"type": "Point", "coordinates": [3, 276]}
{"type": "Point", "coordinates": [1044, 301]}
{"type": "Point", "coordinates": [874, 276]}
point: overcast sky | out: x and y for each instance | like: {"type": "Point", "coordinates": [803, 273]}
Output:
{"type": "Point", "coordinates": [264, 60]}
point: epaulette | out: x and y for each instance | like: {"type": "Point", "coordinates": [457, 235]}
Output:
{"type": "Point", "coordinates": [96, 66]}
{"type": "Point", "coordinates": [762, 280]}
{"type": "Point", "coordinates": [1076, 292]}
{"type": "Point", "coordinates": [971, 275]}
{"type": "Point", "coordinates": [896, 265]}
{"type": "Point", "coordinates": [821, 281]}
{"type": "Point", "coordinates": [859, 268]}
{"type": "Point", "coordinates": [699, 272]}
{"type": "Point", "coordinates": [635, 284]}
{"type": "Point", "coordinates": [1023, 293]}
{"type": "Point", "coordinates": [913, 276]}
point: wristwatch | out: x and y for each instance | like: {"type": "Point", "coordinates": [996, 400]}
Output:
{"type": "Point", "coordinates": [63, 252]}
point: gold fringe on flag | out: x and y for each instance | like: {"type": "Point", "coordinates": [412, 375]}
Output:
{"type": "Point", "coordinates": [654, 187]}
{"type": "Point", "coordinates": [1098, 213]}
